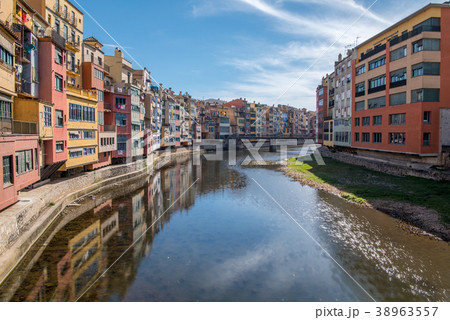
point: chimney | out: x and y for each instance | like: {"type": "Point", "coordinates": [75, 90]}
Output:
{"type": "Point", "coordinates": [340, 57]}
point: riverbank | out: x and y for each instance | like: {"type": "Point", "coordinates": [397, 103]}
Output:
{"type": "Point", "coordinates": [420, 202]}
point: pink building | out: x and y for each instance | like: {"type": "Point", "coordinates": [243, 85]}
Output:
{"type": "Point", "coordinates": [52, 88]}
{"type": "Point", "coordinates": [20, 156]}
{"type": "Point", "coordinates": [177, 117]}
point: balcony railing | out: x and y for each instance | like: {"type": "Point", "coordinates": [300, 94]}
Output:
{"type": "Point", "coordinates": [414, 33]}
{"type": "Point", "coordinates": [331, 104]}
{"type": "Point", "coordinates": [397, 84]}
{"type": "Point", "coordinates": [109, 128]}
{"type": "Point", "coordinates": [372, 53]}
{"type": "Point", "coordinates": [20, 127]}
{"type": "Point", "coordinates": [360, 94]}
{"type": "Point", "coordinates": [377, 89]}
{"type": "Point", "coordinates": [332, 92]}
{"type": "Point", "coordinates": [5, 125]}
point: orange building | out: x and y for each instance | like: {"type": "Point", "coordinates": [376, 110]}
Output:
{"type": "Point", "coordinates": [401, 90]}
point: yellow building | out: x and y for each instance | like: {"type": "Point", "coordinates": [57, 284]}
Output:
{"type": "Point", "coordinates": [82, 128]}
{"type": "Point", "coordinates": [67, 20]}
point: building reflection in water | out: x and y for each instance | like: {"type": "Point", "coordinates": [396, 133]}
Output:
{"type": "Point", "coordinates": [82, 250]}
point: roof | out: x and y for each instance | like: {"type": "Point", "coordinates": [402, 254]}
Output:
{"type": "Point", "coordinates": [394, 26]}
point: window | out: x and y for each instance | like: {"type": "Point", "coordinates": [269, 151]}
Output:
{"type": "Point", "coordinates": [74, 135]}
{"type": "Point", "coordinates": [426, 139]}
{"type": "Point", "coordinates": [58, 56]}
{"type": "Point", "coordinates": [360, 70]}
{"type": "Point", "coordinates": [398, 99]}
{"type": "Point", "coordinates": [5, 110]}
{"type": "Point", "coordinates": [397, 119]}
{"type": "Point", "coordinates": [397, 138]}
{"type": "Point", "coordinates": [321, 103]}
{"type": "Point", "coordinates": [36, 166]}
{"type": "Point", "coordinates": [361, 87]}
{"type": "Point", "coordinates": [377, 120]}
{"type": "Point", "coordinates": [430, 24]}
{"type": "Point", "coordinates": [47, 116]}
{"type": "Point", "coordinates": [366, 121]}
{"type": "Point", "coordinates": [361, 105]}
{"type": "Point", "coordinates": [58, 118]}
{"type": "Point", "coordinates": [66, 32]}
{"type": "Point", "coordinates": [425, 95]}
{"type": "Point", "coordinates": [58, 82]}
{"type": "Point", "coordinates": [121, 119]}
{"type": "Point", "coordinates": [427, 117]}
{"type": "Point", "coordinates": [98, 74]}
{"type": "Point", "coordinates": [377, 103]}
{"type": "Point", "coordinates": [366, 137]}
{"type": "Point", "coordinates": [88, 135]}
{"type": "Point", "coordinates": [75, 154]}
{"type": "Point", "coordinates": [24, 161]}
{"type": "Point", "coordinates": [6, 56]}
{"type": "Point", "coordinates": [88, 114]}
{"type": "Point", "coordinates": [426, 69]}
{"type": "Point", "coordinates": [398, 75]}
{"type": "Point", "coordinates": [121, 142]}
{"type": "Point", "coordinates": [377, 138]}
{"type": "Point", "coordinates": [121, 103]}
{"type": "Point", "coordinates": [377, 82]}
{"type": "Point", "coordinates": [357, 137]}
{"type": "Point", "coordinates": [398, 53]}
{"type": "Point", "coordinates": [72, 17]}
{"type": "Point", "coordinates": [57, 26]}
{"type": "Point", "coordinates": [100, 96]}
{"type": "Point", "coordinates": [427, 45]}
{"type": "Point", "coordinates": [75, 113]}
{"type": "Point", "coordinates": [89, 151]}
{"type": "Point", "coordinates": [65, 11]}
{"type": "Point", "coordinates": [320, 92]}
{"type": "Point", "coordinates": [7, 171]}
{"type": "Point", "coordinates": [101, 118]}
{"type": "Point", "coordinates": [59, 146]}
{"type": "Point", "coordinates": [377, 63]}
{"type": "Point", "coordinates": [357, 122]}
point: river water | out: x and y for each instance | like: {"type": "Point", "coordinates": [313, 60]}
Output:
{"type": "Point", "coordinates": [225, 239]}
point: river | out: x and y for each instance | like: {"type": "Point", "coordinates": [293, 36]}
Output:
{"type": "Point", "coordinates": [211, 233]}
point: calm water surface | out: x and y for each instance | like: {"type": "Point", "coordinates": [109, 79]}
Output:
{"type": "Point", "coordinates": [226, 240]}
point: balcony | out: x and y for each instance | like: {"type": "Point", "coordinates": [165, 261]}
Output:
{"type": "Point", "coordinates": [397, 84]}
{"type": "Point", "coordinates": [109, 128]}
{"type": "Point", "coordinates": [369, 54]}
{"type": "Point", "coordinates": [360, 94]}
{"type": "Point", "coordinates": [73, 70]}
{"type": "Point", "coordinates": [377, 89]}
{"type": "Point", "coordinates": [414, 33]}
{"type": "Point", "coordinates": [20, 127]}
{"type": "Point", "coordinates": [331, 92]}
{"type": "Point", "coordinates": [331, 104]}
{"type": "Point", "coordinates": [73, 45]}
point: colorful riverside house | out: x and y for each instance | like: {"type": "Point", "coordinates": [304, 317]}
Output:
{"type": "Point", "coordinates": [94, 70]}
{"type": "Point", "coordinates": [328, 121]}
{"type": "Point", "coordinates": [402, 90]}
{"type": "Point", "coordinates": [322, 107]}
{"type": "Point", "coordinates": [144, 81]}
{"type": "Point", "coordinates": [122, 83]}
{"type": "Point", "coordinates": [18, 152]}
{"type": "Point", "coordinates": [37, 94]}
{"type": "Point", "coordinates": [340, 88]}
{"type": "Point", "coordinates": [82, 128]}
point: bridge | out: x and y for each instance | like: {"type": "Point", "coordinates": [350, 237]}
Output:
{"type": "Point", "coordinates": [269, 141]}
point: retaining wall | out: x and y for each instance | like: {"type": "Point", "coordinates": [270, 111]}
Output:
{"type": "Point", "coordinates": [386, 166]}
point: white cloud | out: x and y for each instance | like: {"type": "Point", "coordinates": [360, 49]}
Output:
{"type": "Point", "coordinates": [313, 26]}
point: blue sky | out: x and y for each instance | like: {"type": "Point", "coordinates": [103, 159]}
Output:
{"type": "Point", "coordinates": [229, 49]}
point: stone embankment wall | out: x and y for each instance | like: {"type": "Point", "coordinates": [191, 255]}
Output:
{"type": "Point", "coordinates": [23, 223]}
{"type": "Point", "coordinates": [386, 166]}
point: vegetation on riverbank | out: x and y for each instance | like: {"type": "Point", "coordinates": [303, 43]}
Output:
{"type": "Point", "coordinates": [415, 200]}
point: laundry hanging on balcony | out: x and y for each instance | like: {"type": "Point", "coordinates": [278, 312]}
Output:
{"type": "Point", "coordinates": [30, 48]}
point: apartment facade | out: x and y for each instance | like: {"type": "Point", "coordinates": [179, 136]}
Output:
{"type": "Point", "coordinates": [401, 88]}
{"type": "Point", "coordinates": [341, 88]}
{"type": "Point", "coordinates": [322, 108]}
{"type": "Point", "coordinates": [94, 70]}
